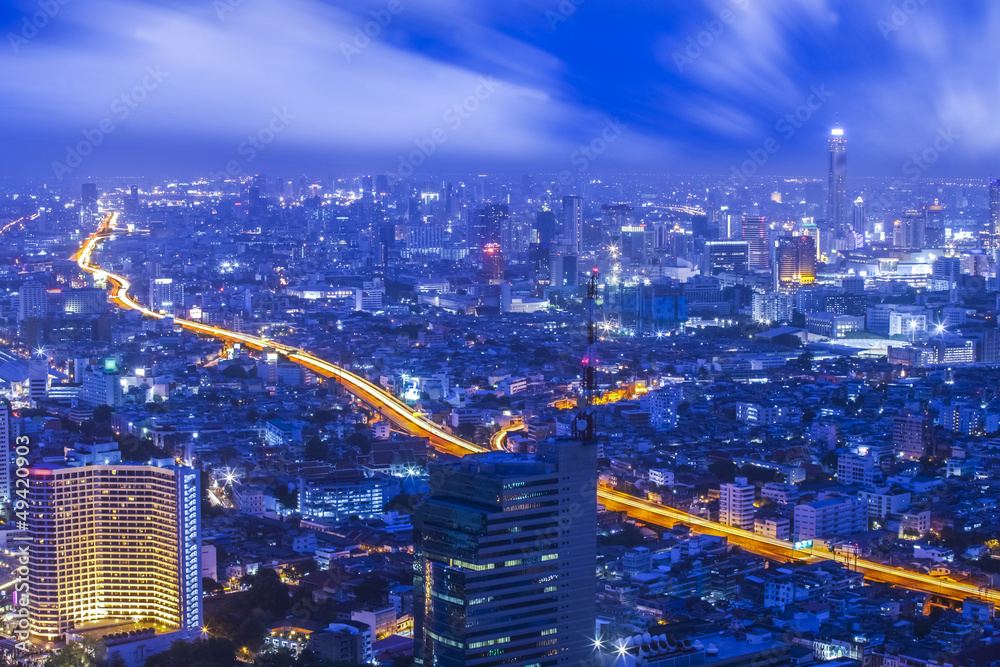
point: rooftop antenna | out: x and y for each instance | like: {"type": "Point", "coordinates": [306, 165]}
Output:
{"type": "Point", "coordinates": [583, 424]}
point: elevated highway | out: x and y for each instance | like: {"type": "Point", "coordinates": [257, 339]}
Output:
{"type": "Point", "coordinates": [404, 417]}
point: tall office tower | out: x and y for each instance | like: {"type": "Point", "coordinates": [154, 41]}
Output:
{"type": "Point", "coordinates": [795, 261]}
{"type": "Point", "coordinates": [736, 504]}
{"type": "Point", "coordinates": [254, 203]}
{"type": "Point", "coordinates": [836, 207]}
{"type": "Point", "coordinates": [859, 218]}
{"type": "Point", "coordinates": [545, 227]}
{"type": "Point", "coordinates": [564, 270]}
{"type": "Point", "coordinates": [367, 187]}
{"type": "Point", "coordinates": [493, 263]}
{"type": "Point", "coordinates": [132, 201]}
{"type": "Point", "coordinates": [89, 197]}
{"type": "Point", "coordinates": [381, 186]}
{"type": "Point", "coordinates": [495, 217]}
{"type": "Point", "coordinates": [475, 230]}
{"type": "Point", "coordinates": [505, 559]}
{"type": "Point", "coordinates": [730, 224]}
{"type": "Point", "coordinates": [726, 257]}
{"type": "Point", "coordinates": [32, 301]}
{"type": "Point", "coordinates": [908, 231]}
{"type": "Point", "coordinates": [572, 222]}
{"type": "Point", "coordinates": [538, 260]}
{"type": "Point", "coordinates": [6, 451]}
{"type": "Point", "coordinates": [755, 234]}
{"type": "Point", "coordinates": [934, 225]}
{"type": "Point", "coordinates": [112, 540]}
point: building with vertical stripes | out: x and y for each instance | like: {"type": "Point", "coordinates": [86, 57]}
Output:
{"type": "Point", "coordinates": [112, 541]}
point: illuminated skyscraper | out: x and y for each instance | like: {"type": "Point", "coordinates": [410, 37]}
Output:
{"type": "Point", "coordinates": [859, 217]}
{"type": "Point", "coordinates": [836, 208]}
{"type": "Point", "coordinates": [112, 541]}
{"type": "Point", "coordinates": [493, 263]}
{"type": "Point", "coordinates": [572, 222]}
{"type": "Point", "coordinates": [795, 261]}
{"type": "Point", "coordinates": [934, 225]}
{"type": "Point", "coordinates": [755, 234]}
{"type": "Point", "coordinates": [505, 556]}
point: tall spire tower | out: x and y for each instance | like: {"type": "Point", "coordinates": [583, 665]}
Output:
{"type": "Point", "coordinates": [836, 207]}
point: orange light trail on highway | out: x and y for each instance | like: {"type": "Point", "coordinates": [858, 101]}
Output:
{"type": "Point", "coordinates": [404, 416]}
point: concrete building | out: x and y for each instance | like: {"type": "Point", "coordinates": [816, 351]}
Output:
{"type": "Point", "coordinates": [343, 493]}
{"type": "Point", "coordinates": [883, 502]}
{"type": "Point", "coordinates": [912, 436]}
{"type": "Point", "coordinates": [32, 301]}
{"type": "Point", "coordinates": [736, 504]}
{"type": "Point", "coordinates": [837, 516]}
{"type": "Point", "coordinates": [663, 404]}
{"type": "Point", "coordinates": [777, 528]}
{"type": "Point", "coordinates": [833, 325]}
{"type": "Point", "coordinates": [102, 385]}
{"type": "Point", "coordinates": [858, 470]}
{"type": "Point", "coordinates": [773, 307]}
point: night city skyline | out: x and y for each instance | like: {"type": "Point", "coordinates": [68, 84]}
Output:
{"type": "Point", "coordinates": [541, 333]}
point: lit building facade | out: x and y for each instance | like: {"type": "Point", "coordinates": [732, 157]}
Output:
{"type": "Point", "coordinates": [736, 504]}
{"type": "Point", "coordinates": [726, 257]}
{"type": "Point", "coordinates": [102, 384]}
{"type": "Point", "coordinates": [343, 493]}
{"type": "Point", "coordinates": [795, 261]}
{"type": "Point", "coordinates": [113, 540]}
{"type": "Point", "coordinates": [493, 263]}
{"type": "Point", "coordinates": [756, 235]}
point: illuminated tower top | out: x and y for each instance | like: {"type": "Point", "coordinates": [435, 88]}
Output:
{"type": "Point", "coordinates": [836, 209]}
